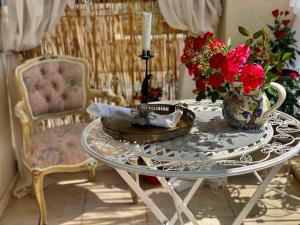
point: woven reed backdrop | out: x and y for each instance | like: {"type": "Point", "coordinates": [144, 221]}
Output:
{"type": "Point", "coordinates": [108, 34]}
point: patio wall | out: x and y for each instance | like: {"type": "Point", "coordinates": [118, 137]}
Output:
{"type": "Point", "coordinates": [7, 161]}
{"type": "Point", "coordinates": [252, 14]}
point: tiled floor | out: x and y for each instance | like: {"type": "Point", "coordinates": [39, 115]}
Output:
{"type": "Point", "coordinates": [108, 202]}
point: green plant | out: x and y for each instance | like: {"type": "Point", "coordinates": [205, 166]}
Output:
{"type": "Point", "coordinates": [284, 40]}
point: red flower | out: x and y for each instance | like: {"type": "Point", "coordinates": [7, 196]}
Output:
{"type": "Point", "coordinates": [216, 46]}
{"type": "Point", "coordinates": [217, 61]}
{"type": "Point", "coordinates": [201, 84]}
{"type": "Point", "coordinates": [200, 41]}
{"type": "Point", "coordinates": [275, 12]}
{"type": "Point", "coordinates": [154, 92]}
{"type": "Point", "coordinates": [215, 81]}
{"type": "Point", "coordinates": [239, 55]}
{"type": "Point", "coordinates": [229, 70]}
{"type": "Point", "coordinates": [293, 74]}
{"type": "Point", "coordinates": [286, 12]}
{"type": "Point", "coordinates": [279, 73]}
{"type": "Point", "coordinates": [280, 34]}
{"type": "Point", "coordinates": [194, 68]}
{"type": "Point", "coordinates": [285, 22]}
{"type": "Point", "coordinates": [251, 77]}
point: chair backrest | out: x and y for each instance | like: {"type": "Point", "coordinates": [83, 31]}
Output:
{"type": "Point", "coordinates": [53, 86]}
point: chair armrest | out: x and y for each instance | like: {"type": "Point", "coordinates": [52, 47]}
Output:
{"type": "Point", "coordinates": [106, 93]}
{"type": "Point", "coordinates": [22, 115]}
{"type": "Point", "coordinates": [20, 112]}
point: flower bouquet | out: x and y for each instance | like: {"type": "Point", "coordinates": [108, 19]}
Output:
{"type": "Point", "coordinates": [241, 74]}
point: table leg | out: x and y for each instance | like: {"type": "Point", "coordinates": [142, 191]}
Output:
{"type": "Point", "coordinates": [259, 191]}
{"type": "Point", "coordinates": [151, 205]}
{"type": "Point", "coordinates": [177, 199]}
{"type": "Point", "coordinates": [187, 199]}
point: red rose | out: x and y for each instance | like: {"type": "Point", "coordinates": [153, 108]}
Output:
{"type": "Point", "coordinates": [285, 22]}
{"type": "Point", "coordinates": [280, 34]}
{"type": "Point", "coordinates": [215, 81]}
{"type": "Point", "coordinates": [275, 12]}
{"type": "Point", "coordinates": [216, 61]}
{"type": "Point", "coordinates": [201, 84]}
{"type": "Point", "coordinates": [293, 74]}
{"type": "Point", "coordinates": [286, 12]}
{"type": "Point", "coordinates": [251, 77]}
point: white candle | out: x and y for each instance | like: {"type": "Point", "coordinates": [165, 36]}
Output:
{"type": "Point", "coordinates": [146, 36]}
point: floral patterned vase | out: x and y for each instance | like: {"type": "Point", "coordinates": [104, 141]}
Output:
{"type": "Point", "coordinates": [250, 111]}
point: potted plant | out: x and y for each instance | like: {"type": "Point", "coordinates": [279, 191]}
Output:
{"type": "Point", "coordinates": [241, 74]}
{"type": "Point", "coordinates": [285, 43]}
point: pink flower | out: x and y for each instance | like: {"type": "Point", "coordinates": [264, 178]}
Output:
{"type": "Point", "coordinates": [229, 70]}
{"type": "Point", "coordinates": [286, 12]}
{"type": "Point", "coordinates": [251, 77]}
{"type": "Point", "coordinates": [239, 55]}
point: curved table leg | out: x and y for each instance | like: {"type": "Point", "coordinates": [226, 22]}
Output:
{"type": "Point", "coordinates": [259, 191]}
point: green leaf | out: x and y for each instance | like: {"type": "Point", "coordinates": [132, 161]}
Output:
{"type": "Point", "coordinates": [228, 42]}
{"type": "Point", "coordinates": [249, 42]}
{"type": "Point", "coordinates": [214, 95]}
{"type": "Point", "coordinates": [272, 91]}
{"type": "Point", "coordinates": [257, 34]}
{"type": "Point", "coordinates": [244, 31]}
{"type": "Point", "coordinates": [286, 56]}
{"type": "Point", "coordinates": [223, 89]}
{"type": "Point", "coordinates": [200, 96]}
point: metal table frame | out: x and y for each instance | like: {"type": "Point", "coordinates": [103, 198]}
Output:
{"type": "Point", "coordinates": [121, 156]}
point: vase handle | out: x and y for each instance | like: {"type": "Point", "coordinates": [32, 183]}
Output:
{"type": "Point", "coordinates": [281, 97]}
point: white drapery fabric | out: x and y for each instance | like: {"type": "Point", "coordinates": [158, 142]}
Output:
{"type": "Point", "coordinates": [22, 26]}
{"type": "Point", "coordinates": [295, 4]}
{"type": "Point", "coordinates": [195, 16]}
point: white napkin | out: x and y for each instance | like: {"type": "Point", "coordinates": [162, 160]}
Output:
{"type": "Point", "coordinates": [117, 112]}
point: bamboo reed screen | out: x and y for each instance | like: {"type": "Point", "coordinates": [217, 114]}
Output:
{"type": "Point", "coordinates": [108, 34]}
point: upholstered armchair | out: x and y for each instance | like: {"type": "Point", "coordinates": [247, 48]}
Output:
{"type": "Point", "coordinates": [54, 93]}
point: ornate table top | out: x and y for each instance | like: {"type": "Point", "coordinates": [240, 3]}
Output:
{"type": "Point", "coordinates": [210, 150]}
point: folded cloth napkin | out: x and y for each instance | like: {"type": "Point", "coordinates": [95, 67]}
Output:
{"type": "Point", "coordinates": [117, 112]}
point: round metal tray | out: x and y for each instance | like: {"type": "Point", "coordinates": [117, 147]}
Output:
{"type": "Point", "coordinates": [124, 130]}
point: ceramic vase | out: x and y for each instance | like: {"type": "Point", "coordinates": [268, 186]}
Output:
{"type": "Point", "coordinates": [250, 111]}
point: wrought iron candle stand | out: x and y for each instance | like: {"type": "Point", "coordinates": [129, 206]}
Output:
{"type": "Point", "coordinates": [146, 55]}
{"type": "Point", "coordinates": [142, 112]}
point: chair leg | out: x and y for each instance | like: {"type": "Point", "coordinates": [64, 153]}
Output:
{"type": "Point", "coordinates": [38, 185]}
{"type": "Point", "coordinates": [92, 175]}
{"type": "Point", "coordinates": [134, 196]}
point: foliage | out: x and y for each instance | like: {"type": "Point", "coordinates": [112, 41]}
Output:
{"type": "Point", "coordinates": [284, 40]}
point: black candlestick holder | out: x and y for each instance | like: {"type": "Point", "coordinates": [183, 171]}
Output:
{"type": "Point", "coordinates": [146, 55]}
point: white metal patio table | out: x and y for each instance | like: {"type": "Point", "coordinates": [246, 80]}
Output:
{"type": "Point", "coordinates": [199, 155]}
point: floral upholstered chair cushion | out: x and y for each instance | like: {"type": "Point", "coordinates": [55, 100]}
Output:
{"type": "Point", "coordinates": [57, 146]}
{"type": "Point", "coordinates": [53, 87]}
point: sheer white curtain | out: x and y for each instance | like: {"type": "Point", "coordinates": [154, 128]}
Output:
{"type": "Point", "coordinates": [295, 4]}
{"type": "Point", "coordinates": [22, 25]}
{"type": "Point", "coordinates": [196, 17]}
